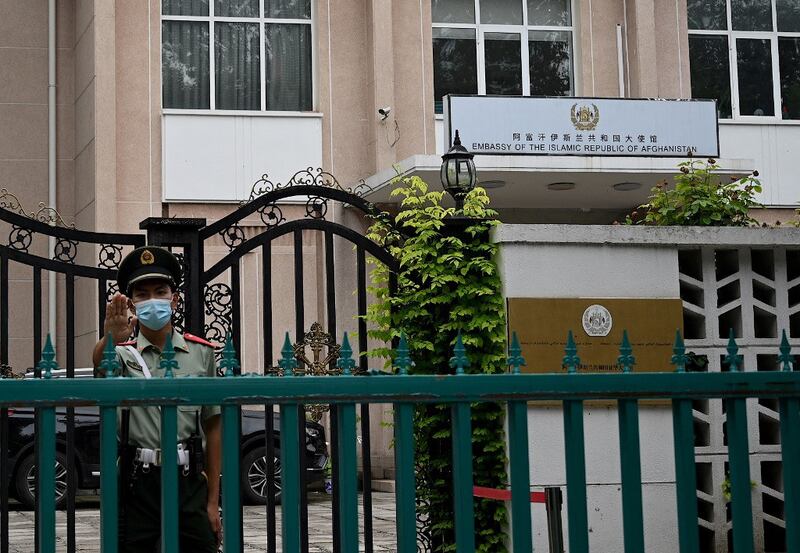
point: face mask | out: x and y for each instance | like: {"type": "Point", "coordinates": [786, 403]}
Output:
{"type": "Point", "coordinates": [154, 314]}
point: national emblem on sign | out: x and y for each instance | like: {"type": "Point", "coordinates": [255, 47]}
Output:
{"type": "Point", "coordinates": [585, 118]}
{"type": "Point", "coordinates": [597, 320]}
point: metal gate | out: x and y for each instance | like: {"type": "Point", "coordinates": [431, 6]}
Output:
{"type": "Point", "coordinates": [82, 264]}
{"type": "Point", "coordinates": [214, 295]}
{"type": "Point", "coordinates": [217, 292]}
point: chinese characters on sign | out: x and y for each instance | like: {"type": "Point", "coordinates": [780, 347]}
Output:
{"type": "Point", "coordinates": [577, 126]}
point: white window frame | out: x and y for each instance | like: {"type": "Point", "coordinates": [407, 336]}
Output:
{"type": "Point", "coordinates": [732, 37]}
{"type": "Point", "coordinates": [211, 19]}
{"type": "Point", "coordinates": [522, 30]}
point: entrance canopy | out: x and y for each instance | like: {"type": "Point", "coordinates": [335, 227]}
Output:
{"type": "Point", "coordinates": [553, 182]}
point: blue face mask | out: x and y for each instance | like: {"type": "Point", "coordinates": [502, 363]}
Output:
{"type": "Point", "coordinates": [154, 314]}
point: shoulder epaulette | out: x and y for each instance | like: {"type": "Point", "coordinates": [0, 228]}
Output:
{"type": "Point", "coordinates": [198, 340]}
{"type": "Point", "coordinates": [131, 343]}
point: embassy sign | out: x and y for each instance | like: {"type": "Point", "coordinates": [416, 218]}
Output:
{"type": "Point", "coordinates": [515, 125]}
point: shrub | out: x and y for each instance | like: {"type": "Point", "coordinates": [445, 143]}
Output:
{"type": "Point", "coordinates": [699, 197]}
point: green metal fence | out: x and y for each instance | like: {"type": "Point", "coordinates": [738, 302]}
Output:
{"type": "Point", "coordinates": [460, 391]}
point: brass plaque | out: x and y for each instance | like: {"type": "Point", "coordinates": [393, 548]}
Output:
{"type": "Point", "coordinates": [542, 325]}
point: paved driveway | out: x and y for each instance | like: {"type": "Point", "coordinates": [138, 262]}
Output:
{"type": "Point", "coordinates": [87, 530]}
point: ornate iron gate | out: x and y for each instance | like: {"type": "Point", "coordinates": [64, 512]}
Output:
{"type": "Point", "coordinates": [217, 291]}
{"type": "Point", "coordinates": [87, 263]}
{"type": "Point", "coordinates": [214, 293]}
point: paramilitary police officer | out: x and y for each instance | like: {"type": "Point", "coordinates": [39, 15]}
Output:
{"type": "Point", "coordinates": [149, 277]}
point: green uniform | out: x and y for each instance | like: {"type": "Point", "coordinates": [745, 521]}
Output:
{"type": "Point", "coordinates": [140, 525]}
{"type": "Point", "coordinates": [194, 359]}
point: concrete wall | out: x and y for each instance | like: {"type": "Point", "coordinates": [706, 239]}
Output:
{"type": "Point", "coordinates": [533, 267]}
{"type": "Point", "coordinates": [701, 266]}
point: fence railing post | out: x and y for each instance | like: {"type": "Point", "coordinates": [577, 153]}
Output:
{"type": "Point", "coordinates": [405, 484]}
{"type": "Point", "coordinates": [685, 476]}
{"type": "Point", "coordinates": [109, 500]}
{"type": "Point", "coordinates": [45, 467]}
{"type": "Point", "coordinates": [519, 460]}
{"type": "Point", "coordinates": [169, 458]}
{"type": "Point", "coordinates": [790, 450]}
{"type": "Point", "coordinates": [630, 459]}
{"type": "Point", "coordinates": [462, 460]}
{"type": "Point", "coordinates": [231, 420]}
{"type": "Point", "coordinates": [739, 459]}
{"type": "Point", "coordinates": [347, 465]}
{"type": "Point", "coordinates": [290, 459]}
{"type": "Point", "coordinates": [575, 451]}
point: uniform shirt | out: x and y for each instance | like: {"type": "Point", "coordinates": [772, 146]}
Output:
{"type": "Point", "coordinates": [194, 359]}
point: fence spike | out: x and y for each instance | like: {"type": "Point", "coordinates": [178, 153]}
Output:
{"type": "Point", "coordinates": [732, 358]}
{"type": "Point", "coordinates": [402, 360]}
{"type": "Point", "coordinates": [626, 358]}
{"type": "Point", "coordinates": [515, 359]}
{"type": "Point", "coordinates": [785, 358]}
{"type": "Point", "coordinates": [459, 361]}
{"type": "Point", "coordinates": [288, 363]}
{"type": "Point", "coordinates": [679, 353]}
{"type": "Point", "coordinates": [167, 362]}
{"type": "Point", "coordinates": [229, 361]}
{"type": "Point", "coordinates": [109, 365]}
{"type": "Point", "coordinates": [571, 359]}
{"type": "Point", "coordinates": [346, 362]}
{"type": "Point", "coordinates": [47, 363]}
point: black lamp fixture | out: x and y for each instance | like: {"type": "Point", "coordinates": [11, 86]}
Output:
{"type": "Point", "coordinates": [458, 174]}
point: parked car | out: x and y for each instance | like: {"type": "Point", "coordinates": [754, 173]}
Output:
{"type": "Point", "coordinates": [87, 452]}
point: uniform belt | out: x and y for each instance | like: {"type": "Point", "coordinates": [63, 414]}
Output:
{"type": "Point", "coordinates": [149, 457]}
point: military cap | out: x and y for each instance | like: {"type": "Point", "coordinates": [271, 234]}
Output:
{"type": "Point", "coordinates": [148, 262]}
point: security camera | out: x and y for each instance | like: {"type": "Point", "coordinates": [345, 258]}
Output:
{"type": "Point", "coordinates": [384, 112]}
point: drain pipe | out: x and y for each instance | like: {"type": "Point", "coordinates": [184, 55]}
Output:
{"type": "Point", "coordinates": [51, 156]}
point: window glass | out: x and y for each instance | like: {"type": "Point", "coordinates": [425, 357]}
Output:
{"type": "Point", "coordinates": [236, 55]}
{"type": "Point", "coordinates": [788, 15]}
{"type": "Point", "coordinates": [501, 12]}
{"type": "Point", "coordinates": [184, 7]}
{"type": "Point", "coordinates": [751, 15]}
{"type": "Point", "coordinates": [549, 12]}
{"type": "Point", "coordinates": [707, 14]}
{"type": "Point", "coordinates": [453, 11]}
{"type": "Point", "coordinates": [288, 67]}
{"type": "Point", "coordinates": [710, 70]}
{"type": "Point", "coordinates": [754, 65]}
{"type": "Point", "coordinates": [236, 8]}
{"type": "Point", "coordinates": [455, 65]}
{"type": "Point", "coordinates": [789, 63]}
{"type": "Point", "coordinates": [550, 63]}
{"type": "Point", "coordinates": [288, 9]}
{"type": "Point", "coordinates": [185, 64]}
{"type": "Point", "coordinates": [503, 63]}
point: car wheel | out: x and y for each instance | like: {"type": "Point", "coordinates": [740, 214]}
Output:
{"type": "Point", "coordinates": [24, 481]}
{"type": "Point", "coordinates": [254, 476]}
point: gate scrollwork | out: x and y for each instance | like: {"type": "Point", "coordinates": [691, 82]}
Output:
{"type": "Point", "coordinates": [306, 177]}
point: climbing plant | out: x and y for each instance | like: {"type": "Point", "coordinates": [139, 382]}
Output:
{"type": "Point", "coordinates": [448, 283]}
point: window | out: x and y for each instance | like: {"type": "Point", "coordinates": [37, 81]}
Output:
{"type": "Point", "coordinates": [746, 54]}
{"type": "Point", "coordinates": [231, 55]}
{"type": "Point", "coordinates": [512, 47]}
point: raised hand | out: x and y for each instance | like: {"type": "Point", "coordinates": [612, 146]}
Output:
{"type": "Point", "coordinates": [117, 319]}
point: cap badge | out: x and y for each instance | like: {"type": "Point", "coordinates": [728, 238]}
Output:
{"type": "Point", "coordinates": [147, 258]}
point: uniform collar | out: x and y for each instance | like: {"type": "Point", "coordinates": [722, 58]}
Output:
{"type": "Point", "coordinates": [178, 342]}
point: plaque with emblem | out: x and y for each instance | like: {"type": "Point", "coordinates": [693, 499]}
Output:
{"type": "Point", "coordinates": [597, 324]}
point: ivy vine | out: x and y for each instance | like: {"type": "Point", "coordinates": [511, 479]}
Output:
{"type": "Point", "coordinates": [448, 282]}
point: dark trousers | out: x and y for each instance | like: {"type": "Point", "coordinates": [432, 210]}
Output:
{"type": "Point", "coordinates": [140, 515]}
